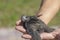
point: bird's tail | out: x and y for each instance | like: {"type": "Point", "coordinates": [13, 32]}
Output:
{"type": "Point", "coordinates": [35, 36]}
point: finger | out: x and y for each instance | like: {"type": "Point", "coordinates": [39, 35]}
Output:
{"type": "Point", "coordinates": [18, 22]}
{"type": "Point", "coordinates": [21, 29]}
{"type": "Point", "coordinates": [26, 36]}
{"type": "Point", "coordinates": [46, 36]}
{"type": "Point", "coordinates": [56, 32]}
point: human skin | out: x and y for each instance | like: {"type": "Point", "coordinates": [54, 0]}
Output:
{"type": "Point", "coordinates": [47, 12]}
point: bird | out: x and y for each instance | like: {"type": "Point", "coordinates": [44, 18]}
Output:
{"type": "Point", "coordinates": [35, 26]}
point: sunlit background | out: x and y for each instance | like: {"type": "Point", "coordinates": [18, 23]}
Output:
{"type": "Point", "coordinates": [11, 11]}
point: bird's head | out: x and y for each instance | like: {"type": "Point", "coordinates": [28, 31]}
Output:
{"type": "Point", "coordinates": [28, 18]}
{"type": "Point", "coordinates": [25, 18]}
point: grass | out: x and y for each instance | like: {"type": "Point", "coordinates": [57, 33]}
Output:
{"type": "Point", "coordinates": [11, 10]}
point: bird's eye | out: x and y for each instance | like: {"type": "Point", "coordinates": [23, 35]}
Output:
{"type": "Point", "coordinates": [26, 17]}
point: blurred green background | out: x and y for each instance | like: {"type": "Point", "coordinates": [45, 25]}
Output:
{"type": "Point", "coordinates": [11, 10]}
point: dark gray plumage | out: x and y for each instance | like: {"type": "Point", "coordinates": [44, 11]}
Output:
{"type": "Point", "coordinates": [34, 26]}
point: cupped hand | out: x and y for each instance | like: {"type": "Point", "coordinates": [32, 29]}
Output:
{"type": "Point", "coordinates": [20, 28]}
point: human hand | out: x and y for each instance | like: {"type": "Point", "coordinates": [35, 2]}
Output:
{"type": "Point", "coordinates": [46, 36]}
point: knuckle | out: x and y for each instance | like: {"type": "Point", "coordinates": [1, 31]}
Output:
{"type": "Point", "coordinates": [18, 22]}
{"type": "Point", "coordinates": [16, 28]}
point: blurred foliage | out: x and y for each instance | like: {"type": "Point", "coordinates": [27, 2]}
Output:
{"type": "Point", "coordinates": [11, 10]}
